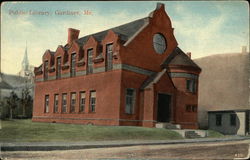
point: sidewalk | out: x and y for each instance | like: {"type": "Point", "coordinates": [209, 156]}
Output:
{"type": "Point", "coordinates": [48, 146]}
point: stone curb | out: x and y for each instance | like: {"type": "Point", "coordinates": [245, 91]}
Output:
{"type": "Point", "coordinates": [107, 144]}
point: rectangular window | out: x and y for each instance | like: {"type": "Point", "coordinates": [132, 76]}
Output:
{"type": "Point", "coordinates": [46, 70]}
{"type": "Point", "coordinates": [194, 108]}
{"type": "Point", "coordinates": [188, 108]}
{"type": "Point", "coordinates": [82, 101]}
{"type": "Point", "coordinates": [73, 65]}
{"type": "Point", "coordinates": [130, 101]}
{"type": "Point", "coordinates": [73, 102]}
{"type": "Point", "coordinates": [46, 107]}
{"type": "Point", "coordinates": [58, 67]}
{"type": "Point", "coordinates": [92, 101]}
{"type": "Point", "coordinates": [218, 119]}
{"type": "Point", "coordinates": [233, 119]}
{"type": "Point", "coordinates": [64, 103]}
{"type": "Point", "coordinates": [90, 61]}
{"type": "Point", "coordinates": [109, 57]}
{"type": "Point", "coordinates": [191, 85]}
{"type": "Point", "coordinates": [56, 103]}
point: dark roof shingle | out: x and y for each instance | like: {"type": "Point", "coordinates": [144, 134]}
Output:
{"type": "Point", "coordinates": [4, 85]}
{"type": "Point", "coordinates": [124, 31]}
{"type": "Point", "coordinates": [178, 57]}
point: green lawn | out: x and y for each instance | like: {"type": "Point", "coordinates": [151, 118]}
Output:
{"type": "Point", "coordinates": [28, 131]}
{"type": "Point", "coordinates": [214, 134]}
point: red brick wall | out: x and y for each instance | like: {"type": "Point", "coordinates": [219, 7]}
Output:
{"type": "Point", "coordinates": [131, 80]}
{"type": "Point", "coordinates": [140, 51]}
{"type": "Point", "coordinates": [106, 85]}
{"type": "Point", "coordinates": [111, 86]}
{"type": "Point", "coordinates": [169, 89]}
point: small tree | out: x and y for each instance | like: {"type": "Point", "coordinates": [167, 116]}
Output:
{"type": "Point", "coordinates": [12, 101]}
{"type": "Point", "coordinates": [26, 100]}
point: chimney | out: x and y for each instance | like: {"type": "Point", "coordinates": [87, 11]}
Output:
{"type": "Point", "coordinates": [188, 54]}
{"type": "Point", "coordinates": [244, 49]}
{"type": "Point", "coordinates": [72, 35]}
{"type": "Point", "coordinates": [160, 5]}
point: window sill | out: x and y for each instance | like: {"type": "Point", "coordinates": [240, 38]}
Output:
{"type": "Point", "coordinates": [129, 114]}
{"type": "Point", "coordinates": [194, 93]}
{"type": "Point", "coordinates": [92, 112]}
{"type": "Point", "coordinates": [81, 112]}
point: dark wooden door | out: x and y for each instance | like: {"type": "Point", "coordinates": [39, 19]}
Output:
{"type": "Point", "coordinates": [164, 108]}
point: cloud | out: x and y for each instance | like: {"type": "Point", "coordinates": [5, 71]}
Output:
{"type": "Point", "coordinates": [17, 29]}
{"type": "Point", "coordinates": [196, 32]}
{"type": "Point", "coordinates": [204, 35]}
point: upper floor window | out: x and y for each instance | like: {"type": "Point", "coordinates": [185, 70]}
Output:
{"type": "Point", "coordinates": [191, 108]}
{"type": "Point", "coordinates": [233, 119]}
{"type": "Point", "coordinates": [64, 102]}
{"type": "Point", "coordinates": [194, 108]}
{"type": "Point", "coordinates": [218, 119]}
{"type": "Point", "coordinates": [46, 70]}
{"type": "Point", "coordinates": [46, 107]}
{"type": "Point", "coordinates": [82, 101]}
{"type": "Point", "coordinates": [159, 43]}
{"type": "Point", "coordinates": [92, 101]}
{"type": "Point", "coordinates": [90, 61]}
{"type": "Point", "coordinates": [56, 103]}
{"type": "Point", "coordinates": [191, 85]}
{"type": "Point", "coordinates": [73, 102]}
{"type": "Point", "coordinates": [130, 101]}
{"type": "Point", "coordinates": [73, 65]}
{"type": "Point", "coordinates": [58, 67]}
{"type": "Point", "coordinates": [109, 57]}
{"type": "Point", "coordinates": [188, 108]}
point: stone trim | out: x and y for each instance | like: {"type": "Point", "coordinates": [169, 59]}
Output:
{"type": "Point", "coordinates": [106, 119]}
{"type": "Point", "coordinates": [183, 75]}
{"type": "Point", "coordinates": [51, 77]}
{"type": "Point", "coordinates": [65, 75]}
{"type": "Point", "coordinates": [133, 69]}
{"type": "Point", "coordinates": [39, 80]}
{"type": "Point", "coordinates": [102, 69]}
{"type": "Point", "coordinates": [99, 69]}
{"type": "Point", "coordinates": [146, 22]}
{"type": "Point", "coordinates": [80, 73]}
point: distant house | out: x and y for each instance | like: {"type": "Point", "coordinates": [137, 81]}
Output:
{"type": "Point", "coordinates": [24, 79]}
{"type": "Point", "coordinates": [4, 87]}
{"type": "Point", "coordinates": [133, 74]}
{"type": "Point", "coordinates": [230, 121]}
{"type": "Point", "coordinates": [224, 83]}
{"type": "Point", "coordinates": [14, 83]}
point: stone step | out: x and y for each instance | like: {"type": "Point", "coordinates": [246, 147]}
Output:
{"type": "Point", "coordinates": [192, 134]}
{"type": "Point", "coordinates": [168, 126]}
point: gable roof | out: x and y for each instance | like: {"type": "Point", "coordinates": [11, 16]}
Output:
{"type": "Point", "coordinates": [13, 80]}
{"type": "Point", "coordinates": [124, 31]}
{"type": "Point", "coordinates": [4, 85]}
{"type": "Point", "coordinates": [154, 78]}
{"type": "Point", "coordinates": [178, 57]}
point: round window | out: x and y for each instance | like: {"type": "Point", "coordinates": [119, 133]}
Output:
{"type": "Point", "coordinates": [159, 43]}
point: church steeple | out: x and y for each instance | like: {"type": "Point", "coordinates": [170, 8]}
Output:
{"type": "Point", "coordinates": [25, 62]}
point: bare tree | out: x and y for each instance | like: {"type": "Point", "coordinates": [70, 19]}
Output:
{"type": "Point", "coordinates": [12, 101]}
{"type": "Point", "coordinates": [26, 99]}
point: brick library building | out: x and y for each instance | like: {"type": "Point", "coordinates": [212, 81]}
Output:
{"type": "Point", "coordinates": [133, 74]}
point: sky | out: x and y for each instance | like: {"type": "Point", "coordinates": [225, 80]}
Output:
{"type": "Point", "coordinates": [201, 27]}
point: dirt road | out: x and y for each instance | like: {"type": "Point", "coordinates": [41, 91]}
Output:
{"type": "Point", "coordinates": [218, 150]}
